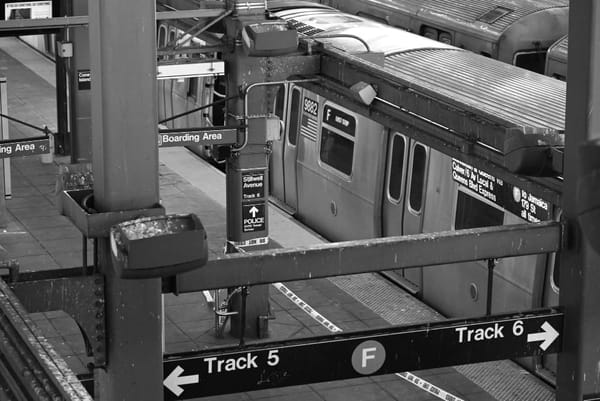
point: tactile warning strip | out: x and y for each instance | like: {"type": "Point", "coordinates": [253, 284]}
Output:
{"type": "Point", "coordinates": [503, 380]}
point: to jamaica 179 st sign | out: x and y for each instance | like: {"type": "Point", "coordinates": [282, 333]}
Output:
{"type": "Point", "coordinates": [197, 136]}
{"type": "Point", "coordinates": [24, 147]}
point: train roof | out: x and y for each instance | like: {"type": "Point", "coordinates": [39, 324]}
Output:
{"type": "Point", "coordinates": [519, 97]}
{"type": "Point", "coordinates": [495, 16]}
{"type": "Point", "coordinates": [355, 34]}
{"type": "Point", "coordinates": [487, 19]}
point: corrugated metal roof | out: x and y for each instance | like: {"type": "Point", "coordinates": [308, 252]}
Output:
{"type": "Point", "coordinates": [514, 94]}
{"type": "Point", "coordinates": [472, 12]}
{"type": "Point", "coordinates": [521, 97]}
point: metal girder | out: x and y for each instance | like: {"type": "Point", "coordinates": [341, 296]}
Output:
{"type": "Point", "coordinates": [81, 297]}
{"type": "Point", "coordinates": [43, 23]}
{"type": "Point", "coordinates": [351, 257]}
{"type": "Point", "coordinates": [30, 369]}
{"type": "Point", "coordinates": [197, 13]}
{"type": "Point", "coordinates": [81, 20]}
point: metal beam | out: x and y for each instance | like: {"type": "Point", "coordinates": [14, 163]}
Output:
{"type": "Point", "coordinates": [43, 23]}
{"type": "Point", "coordinates": [81, 20]}
{"type": "Point", "coordinates": [30, 369]}
{"type": "Point", "coordinates": [372, 255]}
{"type": "Point", "coordinates": [197, 13]}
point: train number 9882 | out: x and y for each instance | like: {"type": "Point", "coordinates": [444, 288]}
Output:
{"type": "Point", "coordinates": [311, 106]}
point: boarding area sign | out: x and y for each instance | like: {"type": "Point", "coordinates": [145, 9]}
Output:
{"type": "Point", "coordinates": [345, 356]}
{"type": "Point", "coordinates": [25, 147]}
{"type": "Point", "coordinates": [197, 136]}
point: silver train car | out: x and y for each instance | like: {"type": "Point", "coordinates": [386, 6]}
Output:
{"type": "Point", "coordinates": [349, 177]}
{"type": "Point", "coordinates": [518, 32]}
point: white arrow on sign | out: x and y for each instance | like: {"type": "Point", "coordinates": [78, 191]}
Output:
{"type": "Point", "coordinates": [547, 336]}
{"type": "Point", "coordinates": [174, 382]}
{"type": "Point", "coordinates": [253, 210]}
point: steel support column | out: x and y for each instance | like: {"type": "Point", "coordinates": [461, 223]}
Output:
{"type": "Point", "coordinates": [125, 165]}
{"type": "Point", "coordinates": [250, 159]}
{"type": "Point", "coordinates": [579, 363]}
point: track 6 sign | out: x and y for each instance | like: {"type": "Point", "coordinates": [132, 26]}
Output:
{"type": "Point", "coordinates": [349, 355]}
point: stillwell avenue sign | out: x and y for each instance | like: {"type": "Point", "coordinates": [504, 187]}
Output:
{"type": "Point", "coordinates": [347, 355]}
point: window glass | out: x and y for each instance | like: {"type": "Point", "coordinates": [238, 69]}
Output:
{"type": "Point", "coordinates": [532, 61]}
{"type": "Point", "coordinates": [556, 270]}
{"type": "Point", "coordinates": [472, 212]}
{"type": "Point", "coordinates": [337, 151]}
{"type": "Point", "coordinates": [279, 102]}
{"type": "Point", "coordinates": [162, 36]}
{"type": "Point", "coordinates": [396, 167]}
{"type": "Point", "coordinates": [193, 87]}
{"type": "Point", "coordinates": [294, 113]}
{"type": "Point", "coordinates": [417, 178]}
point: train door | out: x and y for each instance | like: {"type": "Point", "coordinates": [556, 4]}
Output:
{"type": "Point", "coordinates": [284, 152]}
{"type": "Point", "coordinates": [403, 200]}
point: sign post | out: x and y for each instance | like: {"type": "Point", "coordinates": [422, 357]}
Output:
{"type": "Point", "coordinates": [374, 352]}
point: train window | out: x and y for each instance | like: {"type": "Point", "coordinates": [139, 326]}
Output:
{"type": "Point", "coordinates": [533, 61]}
{"type": "Point", "coordinates": [417, 178]}
{"type": "Point", "coordinates": [429, 32]}
{"type": "Point", "coordinates": [294, 114]}
{"type": "Point", "coordinates": [445, 37]}
{"type": "Point", "coordinates": [556, 272]}
{"type": "Point", "coordinates": [396, 172]}
{"type": "Point", "coordinates": [162, 36]}
{"type": "Point", "coordinates": [193, 87]}
{"type": "Point", "coordinates": [472, 212]}
{"type": "Point", "coordinates": [336, 151]}
{"type": "Point", "coordinates": [279, 102]}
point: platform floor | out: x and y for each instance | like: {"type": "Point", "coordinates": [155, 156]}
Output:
{"type": "Point", "coordinates": [39, 238]}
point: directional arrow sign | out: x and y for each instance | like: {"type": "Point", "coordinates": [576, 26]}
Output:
{"type": "Point", "coordinates": [174, 381]}
{"type": "Point", "coordinates": [547, 336]}
{"type": "Point", "coordinates": [253, 217]}
{"type": "Point", "coordinates": [376, 352]}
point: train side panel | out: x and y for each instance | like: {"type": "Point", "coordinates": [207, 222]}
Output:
{"type": "Point", "coordinates": [339, 170]}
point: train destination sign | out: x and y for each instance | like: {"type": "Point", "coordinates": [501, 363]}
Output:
{"type": "Point", "coordinates": [253, 185]}
{"type": "Point", "coordinates": [376, 352]}
{"type": "Point", "coordinates": [28, 147]}
{"type": "Point", "coordinates": [503, 194]}
{"type": "Point", "coordinates": [197, 136]}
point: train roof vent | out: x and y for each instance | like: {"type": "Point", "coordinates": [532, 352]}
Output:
{"type": "Point", "coordinates": [494, 14]}
{"type": "Point", "coordinates": [303, 28]}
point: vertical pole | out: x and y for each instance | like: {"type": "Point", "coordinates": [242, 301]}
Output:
{"type": "Point", "coordinates": [5, 178]}
{"type": "Point", "coordinates": [247, 224]}
{"type": "Point", "coordinates": [79, 82]}
{"type": "Point", "coordinates": [125, 165]}
{"type": "Point", "coordinates": [579, 363]}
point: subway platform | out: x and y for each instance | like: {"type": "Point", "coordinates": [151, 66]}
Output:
{"type": "Point", "coordinates": [38, 237]}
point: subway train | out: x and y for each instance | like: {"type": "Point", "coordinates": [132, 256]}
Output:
{"type": "Point", "coordinates": [518, 32]}
{"type": "Point", "coordinates": [349, 177]}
